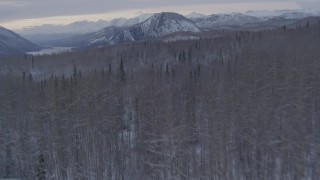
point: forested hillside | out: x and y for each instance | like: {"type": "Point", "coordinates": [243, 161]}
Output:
{"type": "Point", "coordinates": [229, 105]}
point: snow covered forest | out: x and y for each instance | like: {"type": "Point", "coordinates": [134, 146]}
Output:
{"type": "Point", "coordinates": [227, 105]}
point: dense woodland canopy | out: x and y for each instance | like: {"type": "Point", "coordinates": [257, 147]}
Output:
{"type": "Point", "coordinates": [241, 105]}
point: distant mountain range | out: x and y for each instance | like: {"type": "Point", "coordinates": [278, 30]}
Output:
{"type": "Point", "coordinates": [167, 23]}
{"type": "Point", "coordinates": [224, 20]}
{"type": "Point", "coordinates": [81, 27]}
{"type": "Point", "coordinates": [287, 14]}
{"type": "Point", "coordinates": [13, 44]}
{"type": "Point", "coordinates": [147, 26]}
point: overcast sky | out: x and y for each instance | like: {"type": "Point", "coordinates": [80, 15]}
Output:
{"type": "Point", "coordinates": [16, 14]}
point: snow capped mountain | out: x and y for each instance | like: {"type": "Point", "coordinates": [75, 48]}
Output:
{"type": "Point", "coordinates": [12, 43]}
{"type": "Point", "coordinates": [293, 14]}
{"type": "Point", "coordinates": [221, 20]}
{"type": "Point", "coordinates": [256, 19]}
{"type": "Point", "coordinates": [105, 35]}
{"type": "Point", "coordinates": [166, 23]}
{"type": "Point", "coordinates": [156, 26]}
{"type": "Point", "coordinates": [286, 14]}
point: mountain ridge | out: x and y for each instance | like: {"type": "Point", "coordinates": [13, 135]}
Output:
{"type": "Point", "coordinates": [158, 25]}
{"type": "Point", "coordinates": [148, 26]}
{"type": "Point", "coordinates": [12, 43]}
